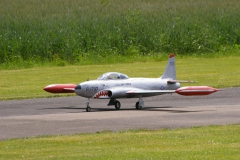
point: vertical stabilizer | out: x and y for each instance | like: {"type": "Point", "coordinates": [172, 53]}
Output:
{"type": "Point", "coordinates": [170, 72]}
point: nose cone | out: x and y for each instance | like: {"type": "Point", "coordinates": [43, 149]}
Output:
{"type": "Point", "coordinates": [78, 87]}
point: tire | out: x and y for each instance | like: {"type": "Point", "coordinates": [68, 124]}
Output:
{"type": "Point", "coordinates": [137, 106]}
{"type": "Point", "coordinates": [117, 105]}
{"type": "Point", "coordinates": [88, 109]}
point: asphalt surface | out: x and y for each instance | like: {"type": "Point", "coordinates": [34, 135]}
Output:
{"type": "Point", "coordinates": [56, 116]}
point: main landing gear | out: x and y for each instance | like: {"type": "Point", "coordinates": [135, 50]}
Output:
{"type": "Point", "coordinates": [139, 104]}
{"type": "Point", "coordinates": [114, 102]}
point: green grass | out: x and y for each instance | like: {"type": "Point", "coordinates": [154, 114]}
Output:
{"type": "Point", "coordinates": [76, 31]}
{"type": "Point", "coordinates": [218, 72]}
{"type": "Point", "coordinates": [213, 142]}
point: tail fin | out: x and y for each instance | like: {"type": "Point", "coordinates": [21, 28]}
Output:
{"type": "Point", "coordinates": [170, 72]}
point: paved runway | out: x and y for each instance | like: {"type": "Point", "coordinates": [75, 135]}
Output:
{"type": "Point", "coordinates": [55, 116]}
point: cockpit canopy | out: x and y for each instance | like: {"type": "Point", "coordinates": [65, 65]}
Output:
{"type": "Point", "coordinates": [112, 76]}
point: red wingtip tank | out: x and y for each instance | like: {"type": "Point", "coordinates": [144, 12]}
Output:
{"type": "Point", "coordinates": [196, 90]}
{"type": "Point", "coordinates": [60, 88]}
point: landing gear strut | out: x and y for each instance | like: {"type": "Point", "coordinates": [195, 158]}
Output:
{"type": "Point", "coordinates": [140, 103]}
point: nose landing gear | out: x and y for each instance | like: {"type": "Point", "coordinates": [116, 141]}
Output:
{"type": "Point", "coordinates": [88, 108]}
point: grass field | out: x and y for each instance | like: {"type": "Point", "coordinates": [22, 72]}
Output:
{"type": "Point", "coordinates": [213, 142]}
{"type": "Point", "coordinates": [35, 32]}
{"type": "Point", "coordinates": [29, 83]}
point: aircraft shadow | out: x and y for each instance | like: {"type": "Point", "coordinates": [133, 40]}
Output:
{"type": "Point", "coordinates": [70, 107]}
{"type": "Point", "coordinates": [165, 109]}
{"type": "Point", "coordinates": [155, 109]}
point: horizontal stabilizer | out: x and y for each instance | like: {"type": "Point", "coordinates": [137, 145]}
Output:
{"type": "Point", "coordinates": [60, 88]}
{"type": "Point", "coordinates": [180, 81]}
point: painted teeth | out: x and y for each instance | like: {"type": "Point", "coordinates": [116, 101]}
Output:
{"type": "Point", "coordinates": [100, 94]}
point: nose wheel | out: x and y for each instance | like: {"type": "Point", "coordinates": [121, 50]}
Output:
{"type": "Point", "coordinates": [88, 108]}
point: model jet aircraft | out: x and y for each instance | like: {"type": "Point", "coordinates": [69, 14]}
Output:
{"type": "Point", "coordinates": [114, 85]}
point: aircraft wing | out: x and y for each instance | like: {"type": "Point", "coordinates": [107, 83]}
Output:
{"type": "Point", "coordinates": [134, 92]}
{"type": "Point", "coordinates": [185, 91]}
{"type": "Point", "coordinates": [149, 92]}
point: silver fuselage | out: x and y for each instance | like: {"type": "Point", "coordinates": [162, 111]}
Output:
{"type": "Point", "coordinates": [89, 88]}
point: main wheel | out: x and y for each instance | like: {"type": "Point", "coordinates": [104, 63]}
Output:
{"type": "Point", "coordinates": [137, 106]}
{"type": "Point", "coordinates": [88, 108]}
{"type": "Point", "coordinates": [117, 105]}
